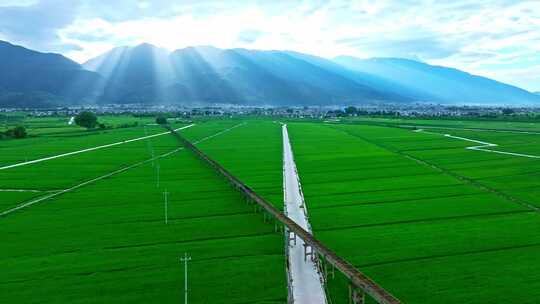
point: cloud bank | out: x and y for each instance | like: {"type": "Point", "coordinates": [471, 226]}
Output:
{"type": "Point", "coordinates": [494, 38]}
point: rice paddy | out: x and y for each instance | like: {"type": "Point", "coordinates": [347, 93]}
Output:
{"type": "Point", "coordinates": [426, 218]}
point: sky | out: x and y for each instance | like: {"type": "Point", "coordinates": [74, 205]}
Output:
{"type": "Point", "coordinates": [499, 39]}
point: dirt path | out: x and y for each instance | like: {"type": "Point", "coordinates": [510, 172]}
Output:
{"type": "Point", "coordinates": [89, 149]}
{"type": "Point", "coordinates": [26, 190]}
{"type": "Point", "coordinates": [470, 129]}
{"type": "Point", "coordinates": [60, 192]}
{"type": "Point", "coordinates": [483, 145]}
{"type": "Point", "coordinates": [305, 280]}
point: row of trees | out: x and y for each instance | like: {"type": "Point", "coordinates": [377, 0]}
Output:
{"type": "Point", "coordinates": [348, 111]}
{"type": "Point", "coordinates": [89, 120]}
{"type": "Point", "coordinates": [84, 119]}
{"type": "Point", "coordinates": [17, 132]}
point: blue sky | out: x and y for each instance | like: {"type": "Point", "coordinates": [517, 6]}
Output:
{"type": "Point", "coordinates": [495, 38]}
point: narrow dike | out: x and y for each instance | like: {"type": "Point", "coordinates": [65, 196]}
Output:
{"type": "Point", "coordinates": [305, 284]}
{"type": "Point", "coordinates": [305, 281]}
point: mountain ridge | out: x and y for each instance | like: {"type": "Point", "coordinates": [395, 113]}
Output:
{"type": "Point", "coordinates": [238, 76]}
{"type": "Point", "coordinates": [49, 78]}
{"type": "Point", "coordinates": [208, 75]}
{"type": "Point", "coordinates": [438, 82]}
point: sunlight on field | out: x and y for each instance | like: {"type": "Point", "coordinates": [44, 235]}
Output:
{"type": "Point", "coordinates": [416, 211]}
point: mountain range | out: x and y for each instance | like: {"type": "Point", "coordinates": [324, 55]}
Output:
{"type": "Point", "coordinates": [208, 75]}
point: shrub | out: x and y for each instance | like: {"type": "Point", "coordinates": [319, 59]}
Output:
{"type": "Point", "coordinates": [17, 132]}
{"type": "Point", "coordinates": [161, 120]}
{"type": "Point", "coordinates": [86, 119]}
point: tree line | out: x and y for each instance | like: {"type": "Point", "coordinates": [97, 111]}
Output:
{"type": "Point", "coordinates": [16, 132]}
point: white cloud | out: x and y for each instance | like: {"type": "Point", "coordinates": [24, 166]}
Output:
{"type": "Point", "coordinates": [491, 37]}
{"type": "Point", "coordinates": [17, 2]}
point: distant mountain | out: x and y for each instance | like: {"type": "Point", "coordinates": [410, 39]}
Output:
{"type": "Point", "coordinates": [438, 84]}
{"type": "Point", "coordinates": [146, 73]}
{"type": "Point", "coordinates": [29, 79]}
{"type": "Point", "coordinates": [132, 74]}
{"type": "Point", "coordinates": [208, 75]}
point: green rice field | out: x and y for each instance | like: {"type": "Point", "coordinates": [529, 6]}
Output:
{"type": "Point", "coordinates": [418, 211]}
{"type": "Point", "coordinates": [107, 242]}
{"type": "Point", "coordinates": [427, 219]}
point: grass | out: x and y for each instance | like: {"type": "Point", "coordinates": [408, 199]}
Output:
{"type": "Point", "coordinates": [39, 126]}
{"type": "Point", "coordinates": [385, 199]}
{"type": "Point", "coordinates": [253, 153]}
{"type": "Point", "coordinates": [61, 173]}
{"type": "Point", "coordinates": [107, 242]}
{"type": "Point", "coordinates": [10, 199]}
{"type": "Point", "coordinates": [429, 220]}
{"type": "Point", "coordinates": [487, 123]}
{"type": "Point", "coordinates": [506, 174]}
{"type": "Point", "coordinates": [31, 148]}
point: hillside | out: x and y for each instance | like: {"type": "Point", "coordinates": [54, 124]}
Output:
{"type": "Point", "coordinates": [30, 78]}
{"type": "Point", "coordinates": [238, 76]}
{"type": "Point", "coordinates": [440, 84]}
{"type": "Point", "coordinates": [208, 75]}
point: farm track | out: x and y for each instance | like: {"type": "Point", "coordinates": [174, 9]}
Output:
{"type": "Point", "coordinates": [527, 174]}
{"type": "Point", "coordinates": [85, 183]}
{"type": "Point", "coordinates": [483, 145]}
{"type": "Point", "coordinates": [467, 129]}
{"type": "Point", "coordinates": [143, 267]}
{"type": "Point", "coordinates": [424, 220]}
{"type": "Point", "coordinates": [431, 257]}
{"type": "Point", "coordinates": [395, 201]}
{"type": "Point", "coordinates": [172, 219]}
{"type": "Point", "coordinates": [449, 173]}
{"type": "Point", "coordinates": [240, 238]}
{"type": "Point", "coordinates": [366, 178]}
{"type": "Point", "coordinates": [55, 194]}
{"type": "Point", "coordinates": [305, 279]}
{"type": "Point", "coordinates": [27, 190]}
{"type": "Point", "coordinates": [338, 192]}
{"type": "Point", "coordinates": [379, 191]}
{"type": "Point", "coordinates": [89, 149]}
{"type": "Point", "coordinates": [378, 166]}
{"type": "Point", "coordinates": [246, 235]}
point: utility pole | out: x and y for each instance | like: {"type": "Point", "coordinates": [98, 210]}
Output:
{"type": "Point", "coordinates": [157, 174]}
{"type": "Point", "coordinates": [185, 259]}
{"type": "Point", "coordinates": [165, 197]}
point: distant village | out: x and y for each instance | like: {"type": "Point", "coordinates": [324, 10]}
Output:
{"type": "Point", "coordinates": [308, 112]}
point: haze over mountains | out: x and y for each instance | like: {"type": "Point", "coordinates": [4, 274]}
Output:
{"type": "Point", "coordinates": [427, 82]}
{"type": "Point", "coordinates": [208, 75]}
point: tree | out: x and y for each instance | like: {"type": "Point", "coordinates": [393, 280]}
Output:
{"type": "Point", "coordinates": [19, 132]}
{"type": "Point", "coordinates": [508, 111]}
{"type": "Point", "coordinates": [86, 119]}
{"type": "Point", "coordinates": [161, 120]}
{"type": "Point", "coordinates": [351, 110]}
